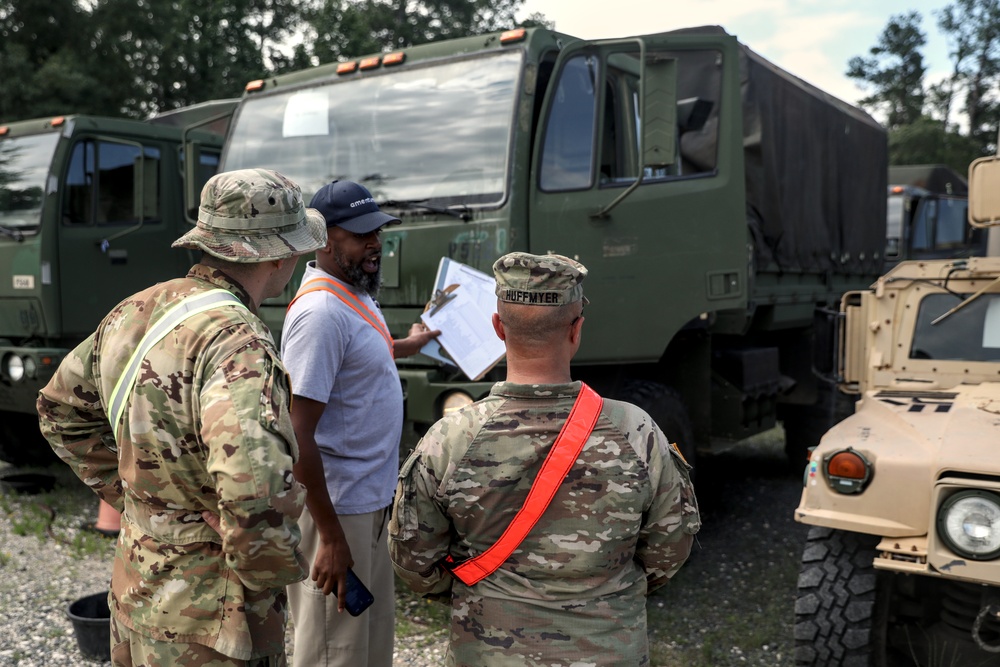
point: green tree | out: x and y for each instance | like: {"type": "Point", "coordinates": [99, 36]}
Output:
{"type": "Point", "coordinates": [348, 28]}
{"type": "Point", "coordinates": [894, 71]}
{"type": "Point", "coordinates": [926, 141]}
{"type": "Point", "coordinates": [45, 62]}
{"type": "Point", "coordinates": [973, 28]}
{"type": "Point", "coordinates": [188, 51]}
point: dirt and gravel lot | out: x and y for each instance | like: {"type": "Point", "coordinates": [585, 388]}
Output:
{"type": "Point", "coordinates": [731, 604]}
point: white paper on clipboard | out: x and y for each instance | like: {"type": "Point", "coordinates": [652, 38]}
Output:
{"type": "Point", "coordinates": [465, 320]}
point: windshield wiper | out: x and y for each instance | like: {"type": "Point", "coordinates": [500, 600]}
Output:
{"type": "Point", "coordinates": [12, 233]}
{"type": "Point", "coordinates": [412, 204]}
{"type": "Point", "coordinates": [966, 302]}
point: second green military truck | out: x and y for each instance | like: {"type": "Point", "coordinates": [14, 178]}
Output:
{"type": "Point", "coordinates": [88, 209]}
{"type": "Point", "coordinates": [720, 204]}
{"type": "Point", "coordinates": [926, 215]}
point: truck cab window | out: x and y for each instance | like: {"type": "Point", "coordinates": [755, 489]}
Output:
{"type": "Point", "coordinates": [568, 151]}
{"type": "Point", "coordinates": [576, 140]}
{"type": "Point", "coordinates": [107, 181]}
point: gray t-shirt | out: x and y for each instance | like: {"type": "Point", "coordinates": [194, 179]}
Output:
{"type": "Point", "coordinates": [336, 357]}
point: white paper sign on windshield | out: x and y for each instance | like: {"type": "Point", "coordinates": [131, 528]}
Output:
{"type": "Point", "coordinates": [307, 115]}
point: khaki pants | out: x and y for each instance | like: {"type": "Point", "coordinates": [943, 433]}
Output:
{"type": "Point", "coordinates": [131, 649]}
{"type": "Point", "coordinates": [326, 638]}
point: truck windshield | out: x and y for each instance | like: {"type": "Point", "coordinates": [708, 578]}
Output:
{"type": "Point", "coordinates": [24, 166]}
{"type": "Point", "coordinates": [969, 334]}
{"type": "Point", "coordinates": [437, 134]}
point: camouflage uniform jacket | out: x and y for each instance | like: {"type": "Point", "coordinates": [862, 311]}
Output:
{"type": "Point", "coordinates": [574, 592]}
{"type": "Point", "coordinates": [207, 427]}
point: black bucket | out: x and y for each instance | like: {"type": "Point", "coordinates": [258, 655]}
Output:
{"type": "Point", "coordinates": [91, 620]}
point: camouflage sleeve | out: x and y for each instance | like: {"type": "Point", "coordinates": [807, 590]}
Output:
{"type": "Point", "coordinates": [73, 420]}
{"type": "Point", "coordinates": [672, 519]}
{"type": "Point", "coordinates": [419, 532]}
{"type": "Point", "coordinates": [248, 435]}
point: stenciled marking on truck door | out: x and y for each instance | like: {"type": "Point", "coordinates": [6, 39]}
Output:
{"type": "Point", "coordinates": [620, 247]}
{"type": "Point", "coordinates": [471, 248]}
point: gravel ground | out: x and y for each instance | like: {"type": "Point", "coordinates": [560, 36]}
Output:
{"type": "Point", "coordinates": [731, 604]}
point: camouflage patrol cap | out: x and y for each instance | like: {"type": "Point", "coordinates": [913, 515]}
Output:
{"type": "Point", "coordinates": [254, 215]}
{"type": "Point", "coordinates": [539, 280]}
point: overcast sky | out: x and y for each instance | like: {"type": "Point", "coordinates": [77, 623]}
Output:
{"type": "Point", "coordinates": [812, 39]}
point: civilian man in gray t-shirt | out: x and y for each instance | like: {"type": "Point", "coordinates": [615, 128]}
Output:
{"type": "Point", "coordinates": [348, 416]}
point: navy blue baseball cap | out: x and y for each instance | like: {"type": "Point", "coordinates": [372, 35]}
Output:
{"type": "Point", "coordinates": [349, 205]}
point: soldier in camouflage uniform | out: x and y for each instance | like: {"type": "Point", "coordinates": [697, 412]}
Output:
{"type": "Point", "coordinates": [201, 460]}
{"type": "Point", "coordinates": [621, 523]}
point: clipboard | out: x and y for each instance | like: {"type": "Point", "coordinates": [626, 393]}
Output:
{"type": "Point", "coordinates": [462, 308]}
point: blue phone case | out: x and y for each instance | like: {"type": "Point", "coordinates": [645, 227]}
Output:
{"type": "Point", "coordinates": [359, 597]}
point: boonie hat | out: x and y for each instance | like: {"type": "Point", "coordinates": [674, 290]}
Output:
{"type": "Point", "coordinates": [539, 280]}
{"type": "Point", "coordinates": [254, 215]}
{"type": "Point", "coordinates": [350, 206]}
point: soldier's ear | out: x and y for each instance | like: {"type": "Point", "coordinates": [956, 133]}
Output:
{"type": "Point", "coordinates": [498, 327]}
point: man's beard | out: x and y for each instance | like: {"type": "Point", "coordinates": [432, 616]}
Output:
{"type": "Point", "coordinates": [369, 283]}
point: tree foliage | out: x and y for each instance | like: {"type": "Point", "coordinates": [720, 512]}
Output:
{"type": "Point", "coordinates": [895, 70]}
{"type": "Point", "coordinates": [137, 57]}
{"type": "Point", "coordinates": [951, 121]}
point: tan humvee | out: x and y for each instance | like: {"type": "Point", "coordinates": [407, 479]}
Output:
{"type": "Point", "coordinates": [902, 562]}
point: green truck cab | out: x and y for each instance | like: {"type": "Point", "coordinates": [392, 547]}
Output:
{"type": "Point", "coordinates": [716, 200]}
{"type": "Point", "coordinates": [88, 209]}
{"type": "Point", "coordinates": [926, 215]}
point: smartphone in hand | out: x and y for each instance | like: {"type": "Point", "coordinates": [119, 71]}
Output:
{"type": "Point", "coordinates": [359, 597]}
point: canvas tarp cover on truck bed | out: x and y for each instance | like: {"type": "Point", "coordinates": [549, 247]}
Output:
{"type": "Point", "coordinates": [816, 172]}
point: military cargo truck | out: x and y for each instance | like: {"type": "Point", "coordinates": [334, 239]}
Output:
{"type": "Point", "coordinates": [88, 209]}
{"type": "Point", "coordinates": [719, 203]}
{"type": "Point", "coordinates": [926, 215]}
{"type": "Point", "coordinates": [902, 560]}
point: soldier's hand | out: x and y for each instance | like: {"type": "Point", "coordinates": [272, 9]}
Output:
{"type": "Point", "coordinates": [330, 569]}
{"type": "Point", "coordinates": [213, 521]}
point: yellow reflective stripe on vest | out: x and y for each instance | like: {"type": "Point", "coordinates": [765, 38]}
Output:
{"type": "Point", "coordinates": [188, 307]}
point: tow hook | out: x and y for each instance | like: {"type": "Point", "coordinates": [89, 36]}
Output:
{"type": "Point", "coordinates": [990, 610]}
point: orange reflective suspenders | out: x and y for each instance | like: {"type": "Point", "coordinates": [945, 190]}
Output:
{"type": "Point", "coordinates": [350, 300]}
{"type": "Point", "coordinates": [561, 458]}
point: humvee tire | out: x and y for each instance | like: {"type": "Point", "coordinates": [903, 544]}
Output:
{"type": "Point", "coordinates": [838, 617]}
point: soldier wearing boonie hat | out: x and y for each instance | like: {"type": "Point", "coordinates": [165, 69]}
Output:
{"type": "Point", "coordinates": [539, 280]}
{"type": "Point", "coordinates": [476, 523]}
{"type": "Point", "coordinates": [184, 382]}
{"type": "Point", "coordinates": [254, 215]}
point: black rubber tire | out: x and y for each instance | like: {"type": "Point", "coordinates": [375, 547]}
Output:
{"type": "Point", "coordinates": [21, 443]}
{"type": "Point", "coordinates": [667, 409]}
{"type": "Point", "coordinates": [840, 616]}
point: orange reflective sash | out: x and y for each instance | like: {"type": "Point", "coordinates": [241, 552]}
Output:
{"type": "Point", "coordinates": [561, 458]}
{"type": "Point", "coordinates": [349, 300]}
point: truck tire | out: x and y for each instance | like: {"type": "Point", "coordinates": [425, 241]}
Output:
{"type": "Point", "coordinates": [805, 425]}
{"type": "Point", "coordinates": [839, 616]}
{"type": "Point", "coordinates": [667, 409]}
{"type": "Point", "coordinates": [21, 443]}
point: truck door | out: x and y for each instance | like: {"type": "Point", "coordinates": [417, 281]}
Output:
{"type": "Point", "coordinates": [665, 243]}
{"type": "Point", "coordinates": [113, 239]}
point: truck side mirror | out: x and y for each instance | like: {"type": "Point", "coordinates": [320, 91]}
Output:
{"type": "Point", "coordinates": [659, 112]}
{"type": "Point", "coordinates": [145, 182]}
{"type": "Point", "coordinates": [192, 186]}
{"type": "Point", "coordinates": [984, 192]}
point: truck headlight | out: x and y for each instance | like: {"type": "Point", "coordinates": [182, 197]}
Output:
{"type": "Point", "coordinates": [455, 401]}
{"type": "Point", "coordinates": [14, 366]}
{"type": "Point", "coordinates": [969, 524]}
